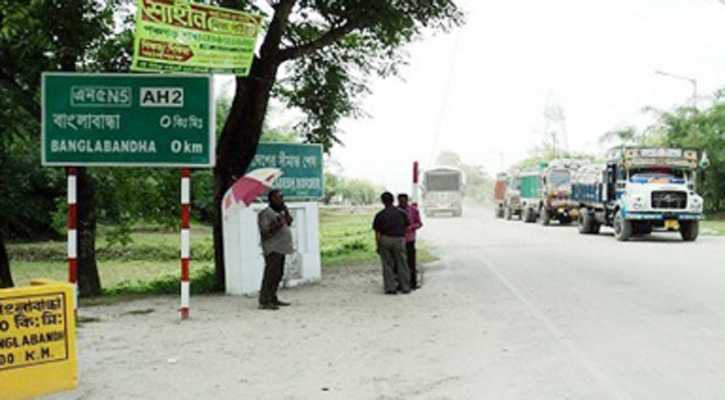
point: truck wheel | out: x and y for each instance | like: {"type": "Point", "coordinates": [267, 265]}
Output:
{"type": "Point", "coordinates": [507, 213]}
{"type": "Point", "coordinates": [622, 227]}
{"type": "Point", "coordinates": [689, 230]}
{"type": "Point", "coordinates": [585, 221]}
{"type": "Point", "coordinates": [530, 215]}
{"type": "Point", "coordinates": [565, 220]}
{"type": "Point", "coordinates": [544, 216]}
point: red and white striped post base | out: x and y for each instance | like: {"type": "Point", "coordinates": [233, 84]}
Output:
{"type": "Point", "coordinates": [72, 249]}
{"type": "Point", "coordinates": [185, 200]}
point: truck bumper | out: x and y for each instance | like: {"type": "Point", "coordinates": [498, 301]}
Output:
{"type": "Point", "coordinates": [664, 216]}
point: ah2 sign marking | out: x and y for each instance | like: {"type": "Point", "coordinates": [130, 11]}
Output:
{"type": "Point", "coordinates": [162, 97]}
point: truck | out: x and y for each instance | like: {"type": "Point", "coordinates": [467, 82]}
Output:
{"type": "Point", "coordinates": [638, 190]}
{"type": "Point", "coordinates": [555, 192]}
{"type": "Point", "coordinates": [499, 192]}
{"type": "Point", "coordinates": [512, 196]}
{"type": "Point", "coordinates": [443, 191]}
{"type": "Point", "coordinates": [529, 195]}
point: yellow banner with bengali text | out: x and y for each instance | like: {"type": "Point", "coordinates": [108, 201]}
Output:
{"type": "Point", "coordinates": [180, 36]}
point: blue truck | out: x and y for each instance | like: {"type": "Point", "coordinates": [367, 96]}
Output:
{"type": "Point", "coordinates": [640, 189]}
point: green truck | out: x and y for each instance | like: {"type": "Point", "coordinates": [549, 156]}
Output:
{"type": "Point", "coordinates": [530, 181]}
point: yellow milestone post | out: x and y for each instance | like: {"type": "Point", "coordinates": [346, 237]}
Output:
{"type": "Point", "coordinates": [37, 340]}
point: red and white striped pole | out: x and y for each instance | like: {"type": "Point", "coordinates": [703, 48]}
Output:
{"type": "Point", "coordinates": [72, 173]}
{"type": "Point", "coordinates": [414, 191]}
{"type": "Point", "coordinates": [185, 201]}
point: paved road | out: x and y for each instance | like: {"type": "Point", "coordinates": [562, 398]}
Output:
{"type": "Point", "coordinates": [575, 316]}
{"type": "Point", "coordinates": [511, 311]}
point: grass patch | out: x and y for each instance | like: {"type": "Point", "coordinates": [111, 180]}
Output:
{"type": "Point", "coordinates": [713, 227]}
{"type": "Point", "coordinates": [201, 280]}
{"type": "Point", "coordinates": [346, 236]}
{"type": "Point", "coordinates": [162, 245]}
{"type": "Point", "coordinates": [87, 320]}
{"type": "Point", "coordinates": [150, 264]}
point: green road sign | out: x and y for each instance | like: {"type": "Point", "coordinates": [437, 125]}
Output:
{"type": "Point", "coordinates": [301, 166]}
{"type": "Point", "coordinates": [128, 120]}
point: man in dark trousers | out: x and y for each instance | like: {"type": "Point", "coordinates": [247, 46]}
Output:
{"type": "Point", "coordinates": [415, 223]}
{"type": "Point", "coordinates": [274, 222]}
{"type": "Point", "coordinates": [390, 225]}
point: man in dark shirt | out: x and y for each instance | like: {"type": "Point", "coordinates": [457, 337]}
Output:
{"type": "Point", "coordinates": [390, 225]}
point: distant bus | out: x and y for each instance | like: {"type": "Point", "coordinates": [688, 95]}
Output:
{"type": "Point", "coordinates": [443, 191]}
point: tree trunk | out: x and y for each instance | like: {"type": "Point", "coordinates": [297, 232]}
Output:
{"type": "Point", "coordinates": [6, 277]}
{"type": "Point", "coordinates": [243, 128]}
{"type": "Point", "coordinates": [238, 145]}
{"type": "Point", "coordinates": [89, 283]}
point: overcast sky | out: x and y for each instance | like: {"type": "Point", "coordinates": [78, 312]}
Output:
{"type": "Point", "coordinates": [481, 91]}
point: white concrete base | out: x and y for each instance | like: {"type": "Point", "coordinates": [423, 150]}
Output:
{"type": "Point", "coordinates": [243, 260]}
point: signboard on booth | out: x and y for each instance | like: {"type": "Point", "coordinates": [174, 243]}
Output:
{"type": "Point", "coordinates": [176, 35]}
{"type": "Point", "coordinates": [127, 120]}
{"type": "Point", "coordinates": [37, 340]}
{"type": "Point", "coordinates": [301, 166]}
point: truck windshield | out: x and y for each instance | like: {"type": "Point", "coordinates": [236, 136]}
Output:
{"type": "Point", "coordinates": [559, 180]}
{"type": "Point", "coordinates": [442, 182]}
{"type": "Point", "coordinates": [653, 175]}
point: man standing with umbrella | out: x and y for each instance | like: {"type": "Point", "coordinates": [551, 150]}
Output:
{"type": "Point", "coordinates": [274, 228]}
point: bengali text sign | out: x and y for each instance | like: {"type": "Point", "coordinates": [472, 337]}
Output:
{"type": "Point", "coordinates": [176, 35]}
{"type": "Point", "coordinates": [301, 166]}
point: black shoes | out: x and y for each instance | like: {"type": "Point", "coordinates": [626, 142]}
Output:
{"type": "Point", "coordinates": [275, 305]}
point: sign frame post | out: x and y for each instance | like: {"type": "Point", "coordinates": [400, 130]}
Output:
{"type": "Point", "coordinates": [72, 249]}
{"type": "Point", "coordinates": [90, 120]}
{"type": "Point", "coordinates": [185, 241]}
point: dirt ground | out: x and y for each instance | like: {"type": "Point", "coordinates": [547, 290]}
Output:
{"type": "Point", "coordinates": [341, 338]}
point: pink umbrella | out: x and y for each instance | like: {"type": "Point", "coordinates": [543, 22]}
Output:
{"type": "Point", "coordinates": [247, 188]}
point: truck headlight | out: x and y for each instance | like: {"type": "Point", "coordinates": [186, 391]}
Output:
{"type": "Point", "coordinates": [637, 202]}
{"type": "Point", "coordinates": [696, 203]}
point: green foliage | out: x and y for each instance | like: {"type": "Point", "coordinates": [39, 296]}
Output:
{"type": "Point", "coordinates": [546, 153]}
{"type": "Point", "coordinates": [158, 244]}
{"type": "Point", "coordinates": [360, 191]}
{"type": "Point", "coordinates": [38, 36]}
{"type": "Point", "coordinates": [201, 282]}
{"type": "Point", "coordinates": [704, 130]}
{"type": "Point", "coordinates": [27, 191]}
{"type": "Point", "coordinates": [621, 137]}
{"type": "Point", "coordinates": [360, 39]}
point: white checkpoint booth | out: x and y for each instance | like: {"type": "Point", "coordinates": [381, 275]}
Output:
{"type": "Point", "coordinates": [243, 258]}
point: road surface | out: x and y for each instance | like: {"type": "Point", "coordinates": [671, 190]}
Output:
{"type": "Point", "coordinates": [584, 316]}
{"type": "Point", "coordinates": [509, 311]}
